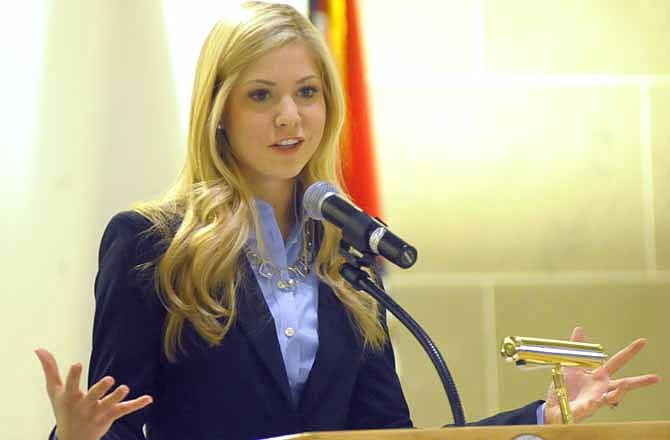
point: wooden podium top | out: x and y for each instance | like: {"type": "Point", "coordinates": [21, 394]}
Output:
{"type": "Point", "coordinates": [596, 431]}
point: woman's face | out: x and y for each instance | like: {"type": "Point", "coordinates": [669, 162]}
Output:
{"type": "Point", "coordinates": [275, 115]}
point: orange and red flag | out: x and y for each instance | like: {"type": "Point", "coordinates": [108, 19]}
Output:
{"type": "Point", "coordinates": [340, 22]}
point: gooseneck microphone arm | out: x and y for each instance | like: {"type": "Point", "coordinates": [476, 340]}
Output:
{"type": "Point", "coordinates": [363, 237]}
{"type": "Point", "coordinates": [359, 280]}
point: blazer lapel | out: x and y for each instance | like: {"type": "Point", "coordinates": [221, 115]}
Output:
{"type": "Point", "coordinates": [338, 349]}
{"type": "Point", "coordinates": [257, 323]}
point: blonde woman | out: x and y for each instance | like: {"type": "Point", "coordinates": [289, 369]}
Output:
{"type": "Point", "coordinates": [219, 309]}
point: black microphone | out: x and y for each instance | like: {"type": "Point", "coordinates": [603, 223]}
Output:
{"type": "Point", "coordinates": [359, 229]}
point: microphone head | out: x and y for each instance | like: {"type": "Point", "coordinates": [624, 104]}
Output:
{"type": "Point", "coordinates": [314, 197]}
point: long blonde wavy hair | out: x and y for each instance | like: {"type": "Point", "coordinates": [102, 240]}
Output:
{"type": "Point", "coordinates": [198, 275]}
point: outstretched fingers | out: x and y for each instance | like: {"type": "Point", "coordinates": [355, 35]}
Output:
{"type": "Point", "coordinates": [99, 389]}
{"type": "Point", "coordinates": [51, 373]}
{"type": "Point", "coordinates": [112, 407]}
{"type": "Point", "coordinates": [635, 382]}
{"type": "Point", "coordinates": [618, 388]}
{"type": "Point", "coordinates": [124, 408]}
{"type": "Point", "coordinates": [624, 355]}
{"type": "Point", "coordinates": [114, 397]}
{"type": "Point", "coordinates": [88, 414]}
{"type": "Point", "coordinates": [578, 335]}
{"type": "Point", "coordinates": [72, 390]}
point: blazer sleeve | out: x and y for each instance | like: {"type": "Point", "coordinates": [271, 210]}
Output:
{"type": "Point", "coordinates": [378, 401]}
{"type": "Point", "coordinates": [128, 323]}
{"type": "Point", "coordinates": [526, 415]}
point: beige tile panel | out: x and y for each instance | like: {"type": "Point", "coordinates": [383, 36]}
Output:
{"type": "Point", "coordinates": [660, 113]}
{"type": "Point", "coordinates": [577, 36]}
{"type": "Point", "coordinates": [406, 41]}
{"type": "Point", "coordinates": [612, 316]}
{"type": "Point", "coordinates": [453, 319]}
{"type": "Point", "coordinates": [500, 179]}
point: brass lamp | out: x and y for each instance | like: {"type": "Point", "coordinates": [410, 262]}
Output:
{"type": "Point", "coordinates": [524, 351]}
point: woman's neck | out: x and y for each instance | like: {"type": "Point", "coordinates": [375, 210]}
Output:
{"type": "Point", "coordinates": [282, 199]}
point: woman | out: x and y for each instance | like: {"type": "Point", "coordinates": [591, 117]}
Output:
{"type": "Point", "coordinates": [220, 308]}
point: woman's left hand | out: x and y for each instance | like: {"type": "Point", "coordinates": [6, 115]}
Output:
{"type": "Point", "coordinates": [588, 391]}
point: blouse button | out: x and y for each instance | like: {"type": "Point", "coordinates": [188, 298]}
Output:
{"type": "Point", "coordinates": [290, 331]}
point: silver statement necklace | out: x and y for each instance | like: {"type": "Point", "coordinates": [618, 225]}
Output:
{"type": "Point", "coordinates": [287, 277]}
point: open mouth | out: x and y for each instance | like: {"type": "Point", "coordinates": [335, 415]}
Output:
{"type": "Point", "coordinates": [287, 145]}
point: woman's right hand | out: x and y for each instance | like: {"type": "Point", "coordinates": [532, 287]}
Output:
{"type": "Point", "coordinates": [80, 415]}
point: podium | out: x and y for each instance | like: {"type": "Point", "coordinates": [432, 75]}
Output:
{"type": "Point", "coordinates": [597, 431]}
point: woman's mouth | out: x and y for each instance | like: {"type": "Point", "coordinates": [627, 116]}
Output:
{"type": "Point", "coordinates": [287, 144]}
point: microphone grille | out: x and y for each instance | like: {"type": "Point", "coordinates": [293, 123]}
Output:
{"type": "Point", "coordinates": [314, 197]}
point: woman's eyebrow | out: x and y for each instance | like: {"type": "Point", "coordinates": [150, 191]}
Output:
{"type": "Point", "coordinates": [272, 84]}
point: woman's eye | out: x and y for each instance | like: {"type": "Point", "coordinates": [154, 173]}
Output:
{"type": "Point", "coordinates": [308, 91]}
{"type": "Point", "coordinates": [260, 95]}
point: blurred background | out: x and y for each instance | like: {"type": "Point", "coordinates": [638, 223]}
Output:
{"type": "Point", "coordinates": [522, 146]}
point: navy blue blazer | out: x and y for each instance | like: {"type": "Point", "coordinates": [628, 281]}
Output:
{"type": "Point", "coordinates": [238, 389]}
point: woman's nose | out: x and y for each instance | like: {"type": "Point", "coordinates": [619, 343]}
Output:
{"type": "Point", "coordinates": [288, 114]}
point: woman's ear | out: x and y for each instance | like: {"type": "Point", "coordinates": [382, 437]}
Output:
{"type": "Point", "coordinates": [221, 136]}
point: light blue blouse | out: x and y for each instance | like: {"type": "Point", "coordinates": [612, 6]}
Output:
{"type": "Point", "coordinates": [294, 312]}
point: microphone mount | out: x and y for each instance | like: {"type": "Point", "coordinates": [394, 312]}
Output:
{"type": "Point", "coordinates": [353, 271]}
